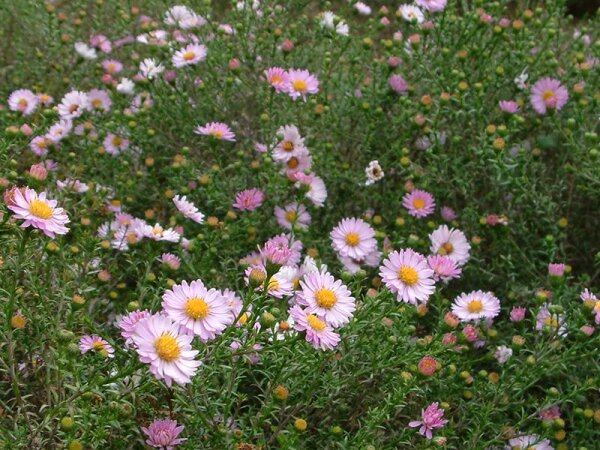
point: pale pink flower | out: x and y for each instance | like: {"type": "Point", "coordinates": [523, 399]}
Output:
{"type": "Point", "coordinates": [431, 419]}
{"type": "Point", "coordinates": [451, 243]}
{"type": "Point", "coordinates": [509, 106]}
{"type": "Point", "coordinates": [112, 66]}
{"type": "Point", "coordinates": [318, 332]}
{"type": "Point", "coordinates": [529, 442]}
{"type": "Point", "coordinates": [164, 434]}
{"type": "Point", "coordinates": [293, 215]}
{"type": "Point", "coordinates": [96, 343]}
{"type": "Point", "coordinates": [278, 78]}
{"type": "Point", "coordinates": [517, 314]}
{"type": "Point", "coordinates": [398, 84]}
{"type": "Point", "coordinates": [205, 312]}
{"type": "Point", "coordinates": [354, 238]}
{"type": "Point", "coordinates": [73, 105]}
{"type": "Point", "coordinates": [38, 211]}
{"type": "Point", "coordinates": [114, 144]}
{"type": "Point", "coordinates": [548, 93]}
{"type": "Point", "coordinates": [300, 83]}
{"type": "Point", "coordinates": [432, 5]}
{"type": "Point", "coordinates": [444, 268]}
{"type": "Point", "coordinates": [188, 209]}
{"type": "Point", "coordinates": [419, 203]}
{"type": "Point", "coordinates": [172, 261]}
{"type": "Point", "coordinates": [191, 54]}
{"type": "Point", "coordinates": [406, 274]}
{"type": "Point", "coordinates": [556, 270]}
{"type": "Point", "coordinates": [99, 100]}
{"type": "Point", "coordinates": [249, 199]}
{"type": "Point", "coordinates": [128, 323]}
{"type": "Point", "coordinates": [475, 306]}
{"type": "Point", "coordinates": [326, 298]}
{"type": "Point", "coordinates": [291, 144]}
{"type": "Point", "coordinates": [169, 353]}
{"type": "Point", "coordinates": [23, 101]}
{"type": "Point", "coordinates": [217, 130]}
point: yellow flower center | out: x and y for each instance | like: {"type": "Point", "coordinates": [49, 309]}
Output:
{"type": "Point", "coordinates": [196, 308]}
{"type": "Point", "coordinates": [325, 298]}
{"type": "Point", "coordinates": [167, 348]}
{"type": "Point", "coordinates": [73, 108]}
{"type": "Point", "coordinates": [41, 209]}
{"type": "Point", "coordinates": [273, 285]}
{"type": "Point", "coordinates": [551, 322]}
{"type": "Point", "coordinates": [256, 275]}
{"type": "Point", "coordinates": [299, 85]}
{"type": "Point", "coordinates": [446, 249]}
{"type": "Point", "coordinates": [290, 216]}
{"type": "Point", "coordinates": [293, 163]}
{"type": "Point", "coordinates": [188, 56]}
{"type": "Point", "coordinates": [276, 79]}
{"type": "Point", "coordinates": [548, 95]}
{"type": "Point", "coordinates": [217, 134]}
{"type": "Point", "coordinates": [98, 346]}
{"type": "Point", "coordinates": [408, 275]}
{"type": "Point", "coordinates": [23, 103]}
{"type": "Point", "coordinates": [97, 103]}
{"type": "Point", "coordinates": [157, 231]}
{"type": "Point", "coordinates": [288, 146]}
{"type": "Point", "coordinates": [111, 67]}
{"type": "Point", "coordinates": [419, 203]}
{"type": "Point", "coordinates": [117, 141]}
{"type": "Point", "coordinates": [475, 306]}
{"type": "Point", "coordinates": [315, 323]}
{"type": "Point", "coordinates": [352, 239]}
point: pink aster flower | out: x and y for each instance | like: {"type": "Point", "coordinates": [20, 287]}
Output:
{"type": "Point", "coordinates": [432, 5]}
{"type": "Point", "coordinates": [217, 130]}
{"type": "Point", "coordinates": [550, 413]}
{"type": "Point", "coordinates": [588, 296]}
{"type": "Point", "coordinates": [114, 144]}
{"type": "Point", "coordinates": [172, 261]}
{"type": "Point", "coordinates": [444, 268]}
{"type": "Point", "coordinates": [293, 215]}
{"type": "Point", "coordinates": [99, 100]}
{"type": "Point", "coordinates": [548, 93]}
{"type": "Point", "coordinates": [547, 321]}
{"type": "Point", "coordinates": [278, 78]}
{"type": "Point", "coordinates": [73, 105]}
{"type": "Point", "coordinates": [354, 265]}
{"type": "Point", "coordinates": [427, 366]}
{"type": "Point", "coordinates": [164, 434]}
{"type": "Point", "coordinates": [101, 42]}
{"type": "Point", "coordinates": [282, 250]}
{"type": "Point", "coordinates": [470, 333]}
{"type": "Point", "coordinates": [327, 298]}
{"type": "Point", "coordinates": [451, 243]}
{"type": "Point", "coordinates": [191, 54]}
{"type": "Point", "coordinates": [318, 332]}
{"type": "Point", "coordinates": [112, 66]}
{"type": "Point", "coordinates": [38, 172]}
{"type": "Point", "coordinates": [298, 163]}
{"type": "Point", "coordinates": [188, 209]}
{"type": "Point", "coordinates": [556, 270]}
{"type": "Point", "coordinates": [59, 130]}
{"type": "Point", "coordinates": [517, 314]}
{"type": "Point", "coordinates": [38, 211]}
{"type": "Point", "coordinates": [431, 419]}
{"type": "Point", "coordinates": [169, 353]}
{"type": "Point", "coordinates": [249, 199]}
{"type": "Point", "coordinates": [300, 83]}
{"type": "Point", "coordinates": [398, 84]}
{"type": "Point", "coordinates": [290, 145]}
{"type": "Point", "coordinates": [529, 442]}
{"type": "Point", "coordinates": [354, 238]}
{"type": "Point", "coordinates": [96, 343]}
{"type": "Point", "coordinates": [448, 214]}
{"type": "Point", "coordinates": [23, 101]}
{"type": "Point", "coordinates": [205, 312]}
{"type": "Point", "coordinates": [157, 233]}
{"type": "Point", "coordinates": [509, 106]}
{"type": "Point", "coordinates": [407, 274]}
{"type": "Point", "coordinates": [419, 203]}
{"type": "Point", "coordinates": [476, 305]}
{"type": "Point", "coordinates": [128, 323]}
{"type": "Point", "coordinates": [279, 285]}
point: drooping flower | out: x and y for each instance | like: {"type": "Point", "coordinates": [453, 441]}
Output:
{"type": "Point", "coordinates": [431, 419]}
{"type": "Point", "coordinates": [418, 203]}
{"type": "Point", "coordinates": [476, 305]}
{"type": "Point", "coordinates": [151, 68]}
{"type": "Point", "coordinates": [163, 434]}
{"type": "Point", "coordinates": [249, 199]}
{"type": "Point", "coordinates": [160, 344]}
{"type": "Point", "coordinates": [23, 101]}
{"type": "Point", "coordinates": [217, 130]}
{"type": "Point", "coordinates": [282, 250]}
{"type": "Point", "coordinates": [191, 54]}
{"type": "Point", "coordinates": [205, 312]}
{"type": "Point", "coordinates": [451, 243]}
{"type": "Point", "coordinates": [188, 209]}
{"type": "Point", "coordinates": [300, 83]}
{"type": "Point", "coordinates": [407, 275]}
{"type": "Point", "coordinates": [172, 261]}
{"type": "Point", "coordinates": [548, 93]}
{"type": "Point", "coordinates": [293, 215]}
{"type": "Point", "coordinates": [354, 238]}
{"type": "Point", "coordinates": [318, 332]}
{"type": "Point", "coordinates": [38, 211]}
{"type": "Point", "coordinates": [96, 343]}
{"type": "Point", "coordinates": [326, 298]}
